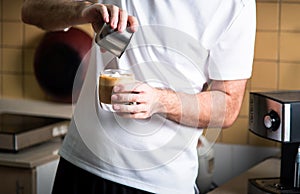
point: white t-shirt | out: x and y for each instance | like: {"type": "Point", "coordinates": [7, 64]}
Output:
{"type": "Point", "coordinates": [180, 45]}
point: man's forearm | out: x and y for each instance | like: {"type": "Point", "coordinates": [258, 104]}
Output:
{"type": "Point", "coordinates": [198, 110]}
{"type": "Point", "coordinates": [215, 108]}
{"type": "Point", "coordinates": [54, 14]}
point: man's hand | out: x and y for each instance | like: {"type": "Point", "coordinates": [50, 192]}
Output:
{"type": "Point", "coordinates": [97, 14]}
{"type": "Point", "coordinates": [138, 101]}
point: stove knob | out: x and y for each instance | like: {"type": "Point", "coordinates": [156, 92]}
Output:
{"type": "Point", "coordinates": [272, 121]}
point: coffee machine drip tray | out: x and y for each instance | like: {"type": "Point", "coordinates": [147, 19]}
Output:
{"type": "Point", "coordinates": [269, 186]}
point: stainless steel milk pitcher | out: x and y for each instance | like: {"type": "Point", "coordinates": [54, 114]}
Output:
{"type": "Point", "coordinates": [112, 40]}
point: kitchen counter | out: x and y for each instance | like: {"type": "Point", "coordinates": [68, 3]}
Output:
{"type": "Point", "coordinates": [31, 170]}
{"type": "Point", "coordinates": [45, 152]}
{"type": "Point", "coordinates": [28, 122]}
{"type": "Point", "coordinates": [39, 154]}
{"type": "Point", "coordinates": [32, 157]}
{"type": "Point", "coordinates": [238, 185]}
{"type": "Point", "coordinates": [39, 108]}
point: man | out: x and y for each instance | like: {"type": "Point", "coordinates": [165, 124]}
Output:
{"type": "Point", "coordinates": [179, 47]}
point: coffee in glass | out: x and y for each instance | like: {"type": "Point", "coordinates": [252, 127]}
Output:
{"type": "Point", "coordinates": [108, 79]}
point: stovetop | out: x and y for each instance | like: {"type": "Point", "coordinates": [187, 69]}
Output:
{"type": "Point", "coordinates": [19, 131]}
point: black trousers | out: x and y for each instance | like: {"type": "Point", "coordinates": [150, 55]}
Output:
{"type": "Point", "coordinates": [71, 179]}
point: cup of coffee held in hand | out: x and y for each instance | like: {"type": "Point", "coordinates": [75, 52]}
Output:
{"type": "Point", "coordinates": [108, 79]}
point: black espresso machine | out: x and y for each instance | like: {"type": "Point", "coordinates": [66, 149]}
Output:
{"type": "Point", "coordinates": [276, 116]}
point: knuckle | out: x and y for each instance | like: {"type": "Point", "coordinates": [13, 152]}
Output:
{"type": "Point", "coordinates": [113, 7]}
{"type": "Point", "coordinates": [123, 12]}
{"type": "Point", "coordinates": [103, 6]}
{"type": "Point", "coordinates": [135, 108]}
{"type": "Point", "coordinates": [117, 97]}
{"type": "Point", "coordinates": [135, 98]}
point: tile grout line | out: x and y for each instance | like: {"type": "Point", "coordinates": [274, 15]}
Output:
{"type": "Point", "coordinates": [278, 42]}
{"type": "Point", "coordinates": [23, 60]}
{"type": "Point", "coordinates": [1, 53]}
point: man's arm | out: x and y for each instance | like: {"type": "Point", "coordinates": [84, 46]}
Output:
{"type": "Point", "coordinates": [217, 107]}
{"type": "Point", "coordinates": [61, 14]}
{"type": "Point", "coordinates": [54, 14]}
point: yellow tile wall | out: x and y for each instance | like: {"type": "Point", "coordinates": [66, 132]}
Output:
{"type": "Point", "coordinates": [18, 42]}
{"type": "Point", "coordinates": [276, 63]}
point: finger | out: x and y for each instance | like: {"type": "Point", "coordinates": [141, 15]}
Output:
{"type": "Point", "coordinates": [122, 20]}
{"type": "Point", "coordinates": [127, 97]}
{"type": "Point", "coordinates": [96, 14]}
{"type": "Point", "coordinates": [133, 23]}
{"type": "Point", "coordinates": [134, 115]}
{"type": "Point", "coordinates": [104, 12]}
{"type": "Point", "coordinates": [128, 88]}
{"type": "Point", "coordinates": [134, 108]}
{"type": "Point", "coordinates": [102, 50]}
{"type": "Point", "coordinates": [94, 11]}
{"type": "Point", "coordinates": [114, 16]}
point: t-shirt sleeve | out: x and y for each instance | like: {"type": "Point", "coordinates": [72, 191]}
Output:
{"type": "Point", "coordinates": [231, 58]}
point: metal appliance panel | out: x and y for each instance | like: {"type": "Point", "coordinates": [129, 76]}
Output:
{"type": "Point", "coordinates": [275, 115]}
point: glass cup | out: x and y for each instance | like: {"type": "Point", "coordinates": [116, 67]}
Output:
{"type": "Point", "coordinates": [108, 79]}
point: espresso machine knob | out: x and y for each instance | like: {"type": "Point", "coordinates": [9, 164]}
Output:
{"type": "Point", "coordinates": [272, 121]}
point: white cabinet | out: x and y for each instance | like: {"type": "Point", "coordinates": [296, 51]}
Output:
{"type": "Point", "coordinates": [29, 171]}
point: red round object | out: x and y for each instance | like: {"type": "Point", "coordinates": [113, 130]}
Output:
{"type": "Point", "coordinates": [59, 58]}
